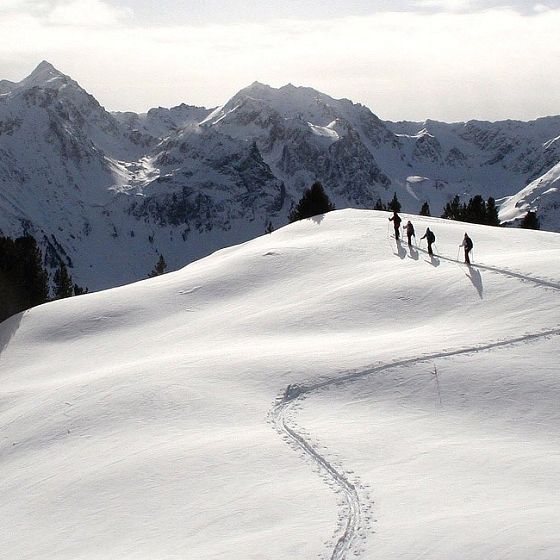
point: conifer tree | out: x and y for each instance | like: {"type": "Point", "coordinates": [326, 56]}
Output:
{"type": "Point", "coordinates": [492, 213]}
{"type": "Point", "coordinates": [313, 202]}
{"type": "Point", "coordinates": [33, 277]}
{"type": "Point", "coordinates": [475, 212]}
{"type": "Point", "coordinates": [394, 205]}
{"type": "Point", "coordinates": [379, 205]}
{"type": "Point", "coordinates": [531, 221]}
{"type": "Point", "coordinates": [23, 280]}
{"type": "Point", "coordinates": [425, 210]}
{"type": "Point", "coordinates": [453, 209]}
{"type": "Point", "coordinates": [78, 290]}
{"type": "Point", "coordinates": [269, 228]}
{"type": "Point", "coordinates": [63, 286]}
{"type": "Point", "coordinates": [159, 269]}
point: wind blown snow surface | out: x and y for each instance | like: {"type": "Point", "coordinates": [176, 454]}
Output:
{"type": "Point", "coordinates": [160, 419]}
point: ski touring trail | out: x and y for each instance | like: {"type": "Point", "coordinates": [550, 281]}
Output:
{"type": "Point", "coordinates": [353, 511]}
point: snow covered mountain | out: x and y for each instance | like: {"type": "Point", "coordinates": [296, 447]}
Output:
{"type": "Point", "coordinates": [541, 196]}
{"type": "Point", "coordinates": [110, 192]}
{"type": "Point", "coordinates": [152, 420]}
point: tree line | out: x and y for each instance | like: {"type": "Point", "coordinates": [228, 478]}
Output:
{"type": "Point", "coordinates": [24, 281]}
{"type": "Point", "coordinates": [476, 211]}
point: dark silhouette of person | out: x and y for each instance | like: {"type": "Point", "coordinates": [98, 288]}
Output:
{"type": "Point", "coordinates": [430, 238]}
{"type": "Point", "coordinates": [468, 245]}
{"type": "Point", "coordinates": [396, 219]}
{"type": "Point", "coordinates": [409, 232]}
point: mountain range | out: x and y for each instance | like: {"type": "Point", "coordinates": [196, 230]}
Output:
{"type": "Point", "coordinates": [108, 192]}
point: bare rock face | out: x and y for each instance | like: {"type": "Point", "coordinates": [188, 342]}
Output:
{"type": "Point", "coordinates": [109, 192]}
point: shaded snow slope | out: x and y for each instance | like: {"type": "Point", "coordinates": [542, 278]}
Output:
{"type": "Point", "coordinates": [541, 196]}
{"type": "Point", "coordinates": [147, 421]}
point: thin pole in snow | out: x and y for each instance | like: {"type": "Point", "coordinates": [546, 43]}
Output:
{"type": "Point", "coordinates": [435, 373]}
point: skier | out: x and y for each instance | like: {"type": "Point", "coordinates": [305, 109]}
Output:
{"type": "Point", "coordinates": [468, 245]}
{"type": "Point", "coordinates": [409, 232]}
{"type": "Point", "coordinates": [430, 238]}
{"type": "Point", "coordinates": [396, 219]}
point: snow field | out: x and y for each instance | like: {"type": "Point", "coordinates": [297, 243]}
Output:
{"type": "Point", "coordinates": [136, 422]}
{"type": "Point", "coordinates": [473, 475]}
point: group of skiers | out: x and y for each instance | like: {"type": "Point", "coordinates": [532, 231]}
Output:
{"type": "Point", "coordinates": [429, 236]}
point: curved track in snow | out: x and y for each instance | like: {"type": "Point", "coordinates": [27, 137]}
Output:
{"type": "Point", "coordinates": [293, 393]}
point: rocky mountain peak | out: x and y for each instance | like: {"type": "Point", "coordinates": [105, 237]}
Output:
{"type": "Point", "coordinates": [45, 75]}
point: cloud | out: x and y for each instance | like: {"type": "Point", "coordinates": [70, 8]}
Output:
{"type": "Point", "coordinates": [524, 7]}
{"type": "Point", "coordinates": [83, 13]}
{"type": "Point", "coordinates": [87, 13]}
{"type": "Point", "coordinates": [447, 5]}
{"type": "Point", "coordinates": [451, 66]}
{"type": "Point", "coordinates": [22, 6]}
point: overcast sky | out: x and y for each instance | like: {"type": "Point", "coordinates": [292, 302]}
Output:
{"type": "Point", "coordinates": [405, 59]}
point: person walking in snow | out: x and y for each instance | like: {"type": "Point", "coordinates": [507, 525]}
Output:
{"type": "Point", "coordinates": [396, 219]}
{"type": "Point", "coordinates": [430, 238]}
{"type": "Point", "coordinates": [468, 245]}
{"type": "Point", "coordinates": [409, 232]}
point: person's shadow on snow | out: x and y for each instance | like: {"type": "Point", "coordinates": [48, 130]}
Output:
{"type": "Point", "coordinates": [401, 250]}
{"type": "Point", "coordinates": [475, 277]}
{"type": "Point", "coordinates": [413, 253]}
{"type": "Point", "coordinates": [434, 261]}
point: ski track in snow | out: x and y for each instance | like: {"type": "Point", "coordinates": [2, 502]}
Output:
{"type": "Point", "coordinates": [355, 517]}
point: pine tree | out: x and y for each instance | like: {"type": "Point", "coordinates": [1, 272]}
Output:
{"type": "Point", "coordinates": [159, 269]}
{"type": "Point", "coordinates": [531, 221]}
{"type": "Point", "coordinates": [425, 210]}
{"type": "Point", "coordinates": [492, 213]}
{"type": "Point", "coordinates": [313, 202]}
{"type": "Point", "coordinates": [34, 278]}
{"type": "Point", "coordinates": [379, 205]}
{"type": "Point", "coordinates": [63, 286]}
{"type": "Point", "coordinates": [394, 205]}
{"type": "Point", "coordinates": [23, 280]}
{"type": "Point", "coordinates": [475, 211]}
{"type": "Point", "coordinates": [269, 228]}
{"type": "Point", "coordinates": [453, 210]}
{"type": "Point", "coordinates": [78, 290]}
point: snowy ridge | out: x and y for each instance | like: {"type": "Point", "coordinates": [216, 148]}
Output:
{"type": "Point", "coordinates": [541, 196]}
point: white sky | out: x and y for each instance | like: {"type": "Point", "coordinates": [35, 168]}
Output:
{"type": "Point", "coordinates": [440, 59]}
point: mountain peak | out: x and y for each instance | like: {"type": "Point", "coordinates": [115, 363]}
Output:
{"type": "Point", "coordinates": [44, 73]}
{"type": "Point", "coordinates": [45, 65]}
{"type": "Point", "coordinates": [256, 87]}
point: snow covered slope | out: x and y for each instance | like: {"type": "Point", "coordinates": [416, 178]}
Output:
{"type": "Point", "coordinates": [541, 196]}
{"type": "Point", "coordinates": [151, 420]}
